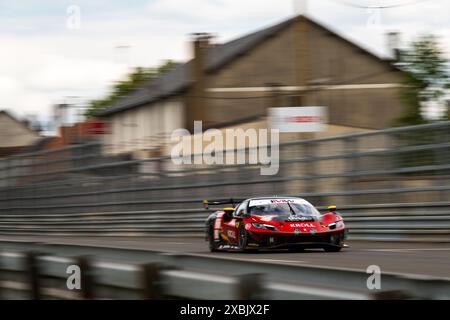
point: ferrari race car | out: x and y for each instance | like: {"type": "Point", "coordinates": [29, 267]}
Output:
{"type": "Point", "coordinates": [273, 223]}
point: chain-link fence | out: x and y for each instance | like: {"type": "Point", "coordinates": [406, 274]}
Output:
{"type": "Point", "coordinates": [402, 165]}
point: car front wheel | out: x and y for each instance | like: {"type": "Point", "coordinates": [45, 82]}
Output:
{"type": "Point", "coordinates": [243, 241]}
{"type": "Point", "coordinates": [243, 238]}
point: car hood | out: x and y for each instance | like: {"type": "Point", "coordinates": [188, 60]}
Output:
{"type": "Point", "coordinates": [298, 223]}
{"type": "Point", "coordinates": [285, 218]}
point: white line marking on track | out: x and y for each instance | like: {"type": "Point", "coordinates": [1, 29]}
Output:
{"type": "Point", "coordinates": [409, 250]}
{"type": "Point", "coordinates": [177, 243]}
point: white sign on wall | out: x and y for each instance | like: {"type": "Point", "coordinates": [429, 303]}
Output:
{"type": "Point", "coordinates": [299, 119]}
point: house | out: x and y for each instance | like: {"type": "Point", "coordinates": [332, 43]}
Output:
{"type": "Point", "coordinates": [298, 62]}
{"type": "Point", "coordinates": [50, 157]}
{"type": "Point", "coordinates": [15, 135]}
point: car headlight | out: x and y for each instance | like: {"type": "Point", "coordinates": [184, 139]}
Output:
{"type": "Point", "coordinates": [339, 224]}
{"type": "Point", "coordinates": [336, 225]}
{"type": "Point", "coordinates": [264, 226]}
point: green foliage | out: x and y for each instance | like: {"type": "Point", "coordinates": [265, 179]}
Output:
{"type": "Point", "coordinates": [136, 79]}
{"type": "Point", "coordinates": [426, 78]}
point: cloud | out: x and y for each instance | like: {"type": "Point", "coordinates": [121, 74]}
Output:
{"type": "Point", "coordinates": [36, 73]}
{"type": "Point", "coordinates": [76, 72]}
{"type": "Point", "coordinates": [42, 61]}
{"type": "Point", "coordinates": [222, 13]}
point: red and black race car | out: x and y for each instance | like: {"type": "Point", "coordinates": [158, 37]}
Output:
{"type": "Point", "coordinates": [273, 223]}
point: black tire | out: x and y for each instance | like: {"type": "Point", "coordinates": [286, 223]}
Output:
{"type": "Point", "coordinates": [243, 238]}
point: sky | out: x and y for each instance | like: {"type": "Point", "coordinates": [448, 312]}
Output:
{"type": "Point", "coordinates": [54, 51]}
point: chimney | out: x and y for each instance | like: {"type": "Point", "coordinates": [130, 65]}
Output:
{"type": "Point", "coordinates": [301, 7]}
{"type": "Point", "coordinates": [196, 103]}
{"type": "Point", "coordinates": [394, 42]}
{"type": "Point", "coordinates": [61, 114]}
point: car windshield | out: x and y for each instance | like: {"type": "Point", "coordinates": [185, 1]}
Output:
{"type": "Point", "coordinates": [289, 208]}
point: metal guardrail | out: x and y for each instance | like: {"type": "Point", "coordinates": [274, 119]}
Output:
{"type": "Point", "coordinates": [372, 153]}
{"type": "Point", "coordinates": [156, 275]}
{"type": "Point", "coordinates": [434, 126]}
{"type": "Point", "coordinates": [390, 222]}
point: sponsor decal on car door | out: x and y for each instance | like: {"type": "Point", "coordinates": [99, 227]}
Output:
{"type": "Point", "coordinates": [229, 231]}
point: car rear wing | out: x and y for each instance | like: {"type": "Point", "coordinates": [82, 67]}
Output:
{"type": "Point", "coordinates": [233, 202]}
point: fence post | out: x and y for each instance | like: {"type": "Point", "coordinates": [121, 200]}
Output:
{"type": "Point", "coordinates": [351, 165]}
{"type": "Point", "coordinates": [441, 157]}
{"type": "Point", "coordinates": [153, 289]}
{"type": "Point", "coordinates": [250, 287]}
{"type": "Point", "coordinates": [32, 270]}
{"type": "Point", "coordinates": [87, 278]}
{"type": "Point", "coordinates": [353, 161]}
{"type": "Point", "coordinates": [311, 166]}
{"type": "Point", "coordinates": [8, 184]}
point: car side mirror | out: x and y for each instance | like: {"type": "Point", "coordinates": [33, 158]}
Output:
{"type": "Point", "coordinates": [332, 209]}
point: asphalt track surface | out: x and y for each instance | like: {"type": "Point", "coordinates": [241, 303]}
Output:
{"type": "Point", "coordinates": [408, 258]}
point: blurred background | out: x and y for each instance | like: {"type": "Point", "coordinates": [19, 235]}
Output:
{"type": "Point", "coordinates": [92, 93]}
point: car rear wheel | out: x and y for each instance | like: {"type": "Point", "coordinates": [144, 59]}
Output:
{"type": "Point", "coordinates": [213, 245]}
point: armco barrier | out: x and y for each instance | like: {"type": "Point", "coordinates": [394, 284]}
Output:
{"type": "Point", "coordinates": [161, 275]}
{"type": "Point", "coordinates": [390, 222]}
{"type": "Point", "coordinates": [410, 164]}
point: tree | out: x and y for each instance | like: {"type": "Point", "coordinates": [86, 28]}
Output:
{"type": "Point", "coordinates": [426, 81]}
{"type": "Point", "coordinates": [138, 78]}
{"type": "Point", "coordinates": [426, 78]}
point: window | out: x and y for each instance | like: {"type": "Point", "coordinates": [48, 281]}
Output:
{"type": "Point", "coordinates": [281, 209]}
